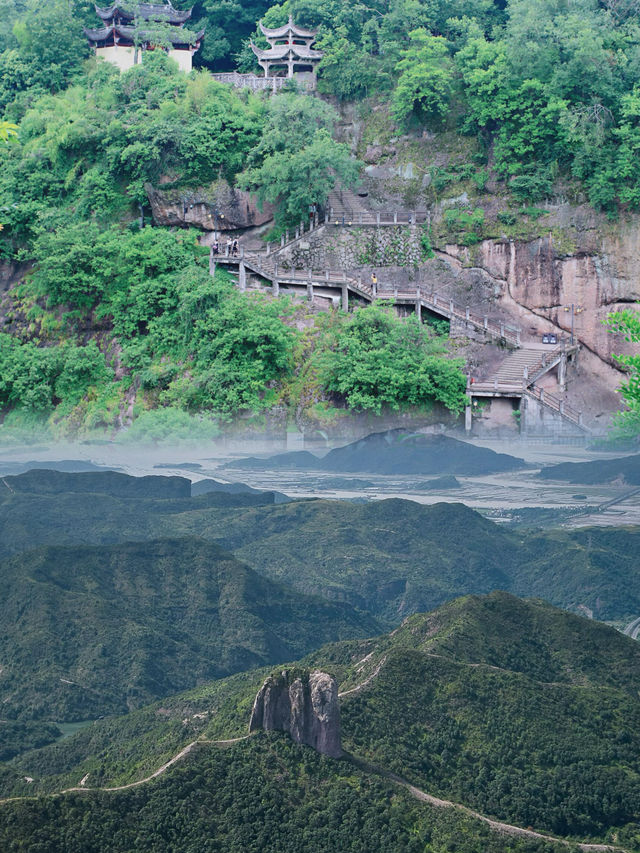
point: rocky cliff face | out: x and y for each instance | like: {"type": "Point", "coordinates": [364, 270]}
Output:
{"type": "Point", "coordinates": [215, 208]}
{"type": "Point", "coordinates": [304, 704]}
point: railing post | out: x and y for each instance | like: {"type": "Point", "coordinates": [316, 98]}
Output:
{"type": "Point", "coordinates": [268, 249]}
{"type": "Point", "coordinates": [330, 213]}
{"type": "Point", "coordinates": [276, 287]}
{"type": "Point", "coordinates": [360, 218]}
{"type": "Point", "coordinates": [561, 407]}
{"type": "Point", "coordinates": [326, 275]}
{"type": "Point", "coordinates": [486, 322]}
{"type": "Point", "coordinates": [378, 218]}
{"type": "Point", "coordinates": [580, 418]}
{"type": "Point", "coordinates": [542, 395]}
{"type": "Point", "coordinates": [517, 337]}
{"type": "Point", "coordinates": [495, 384]}
{"type": "Point", "coordinates": [467, 313]}
{"type": "Point", "coordinates": [395, 217]}
{"type": "Point", "coordinates": [502, 330]}
{"type": "Point", "coordinates": [525, 373]}
{"type": "Point", "coordinates": [451, 307]}
{"type": "Point", "coordinates": [275, 270]}
{"type": "Point", "coordinates": [395, 292]}
{"type": "Point", "coordinates": [282, 241]}
{"type": "Point", "coordinates": [286, 236]}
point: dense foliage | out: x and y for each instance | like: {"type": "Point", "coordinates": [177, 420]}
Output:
{"type": "Point", "coordinates": [263, 796]}
{"type": "Point", "coordinates": [375, 359]}
{"type": "Point", "coordinates": [124, 624]}
{"type": "Point", "coordinates": [627, 323]}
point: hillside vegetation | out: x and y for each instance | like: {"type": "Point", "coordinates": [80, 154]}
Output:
{"type": "Point", "coordinates": [523, 712]}
{"type": "Point", "coordinates": [115, 321]}
{"type": "Point", "coordinates": [91, 631]}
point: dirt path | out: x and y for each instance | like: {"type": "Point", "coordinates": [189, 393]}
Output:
{"type": "Point", "coordinates": [422, 796]}
{"type": "Point", "coordinates": [367, 680]}
{"type": "Point", "coordinates": [82, 788]}
{"type": "Point", "coordinates": [498, 826]}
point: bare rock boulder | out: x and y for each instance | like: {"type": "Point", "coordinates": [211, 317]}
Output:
{"type": "Point", "coordinates": [304, 704]}
{"type": "Point", "coordinates": [218, 207]}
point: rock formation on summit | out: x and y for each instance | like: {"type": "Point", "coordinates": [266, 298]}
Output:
{"type": "Point", "coordinates": [304, 704]}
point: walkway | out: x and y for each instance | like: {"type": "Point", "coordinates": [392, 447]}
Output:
{"type": "Point", "coordinates": [516, 376]}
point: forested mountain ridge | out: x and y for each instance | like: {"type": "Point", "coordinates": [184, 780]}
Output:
{"type": "Point", "coordinates": [389, 558]}
{"type": "Point", "coordinates": [124, 624]}
{"type": "Point", "coordinates": [112, 322]}
{"type": "Point", "coordinates": [457, 721]}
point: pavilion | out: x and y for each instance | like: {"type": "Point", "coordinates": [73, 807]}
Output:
{"type": "Point", "coordinates": [130, 28]}
{"type": "Point", "coordinates": [290, 48]}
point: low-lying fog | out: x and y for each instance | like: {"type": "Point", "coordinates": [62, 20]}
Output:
{"type": "Point", "coordinates": [497, 495]}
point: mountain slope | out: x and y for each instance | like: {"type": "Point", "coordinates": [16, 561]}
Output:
{"type": "Point", "coordinates": [520, 711]}
{"type": "Point", "coordinates": [89, 631]}
{"type": "Point", "coordinates": [390, 557]}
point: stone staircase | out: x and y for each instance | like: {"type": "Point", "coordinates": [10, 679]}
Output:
{"type": "Point", "coordinates": [342, 202]}
{"type": "Point", "coordinates": [517, 364]}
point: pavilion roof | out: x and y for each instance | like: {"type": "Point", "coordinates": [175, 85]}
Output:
{"type": "Point", "coordinates": [282, 51]}
{"type": "Point", "coordinates": [146, 11]}
{"type": "Point", "coordinates": [288, 29]}
{"type": "Point", "coordinates": [178, 36]}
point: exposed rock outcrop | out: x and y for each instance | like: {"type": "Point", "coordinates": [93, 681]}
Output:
{"type": "Point", "coordinates": [304, 704]}
{"type": "Point", "coordinates": [219, 207]}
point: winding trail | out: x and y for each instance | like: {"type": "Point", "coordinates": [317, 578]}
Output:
{"type": "Point", "coordinates": [422, 796]}
{"type": "Point", "coordinates": [361, 764]}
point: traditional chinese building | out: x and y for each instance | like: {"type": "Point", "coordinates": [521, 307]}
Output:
{"type": "Point", "coordinates": [130, 29]}
{"type": "Point", "coordinates": [291, 49]}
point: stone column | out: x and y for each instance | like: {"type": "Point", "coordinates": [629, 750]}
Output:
{"type": "Point", "coordinates": [242, 276]}
{"type": "Point", "coordinates": [345, 297]}
{"type": "Point", "coordinates": [467, 416]}
{"type": "Point", "coordinates": [562, 372]}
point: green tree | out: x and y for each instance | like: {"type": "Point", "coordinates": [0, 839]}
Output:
{"type": "Point", "coordinates": [376, 359]}
{"type": "Point", "coordinates": [8, 130]}
{"type": "Point", "coordinates": [627, 323]}
{"type": "Point", "coordinates": [294, 180]}
{"type": "Point", "coordinates": [427, 78]}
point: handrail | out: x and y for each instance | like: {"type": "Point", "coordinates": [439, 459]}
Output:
{"type": "Point", "coordinates": [556, 403]}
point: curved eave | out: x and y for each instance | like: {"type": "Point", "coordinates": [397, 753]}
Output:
{"type": "Point", "coordinates": [128, 34]}
{"type": "Point", "coordinates": [98, 35]}
{"type": "Point", "coordinates": [288, 29]}
{"type": "Point", "coordinates": [176, 38]}
{"type": "Point", "coordinates": [282, 51]}
{"type": "Point", "coordinates": [147, 11]}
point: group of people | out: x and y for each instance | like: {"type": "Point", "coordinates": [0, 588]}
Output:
{"type": "Point", "coordinates": [232, 248]}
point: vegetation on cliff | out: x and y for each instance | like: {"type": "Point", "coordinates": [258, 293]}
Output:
{"type": "Point", "coordinates": [72, 188]}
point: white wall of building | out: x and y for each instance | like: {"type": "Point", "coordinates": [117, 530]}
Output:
{"type": "Point", "coordinates": [123, 57]}
{"type": "Point", "coordinates": [183, 58]}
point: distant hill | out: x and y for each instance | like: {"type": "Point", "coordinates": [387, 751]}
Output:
{"type": "Point", "coordinates": [43, 481]}
{"type": "Point", "coordinates": [625, 468]}
{"type": "Point", "coordinates": [394, 452]}
{"type": "Point", "coordinates": [390, 558]}
{"type": "Point", "coordinates": [86, 631]}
